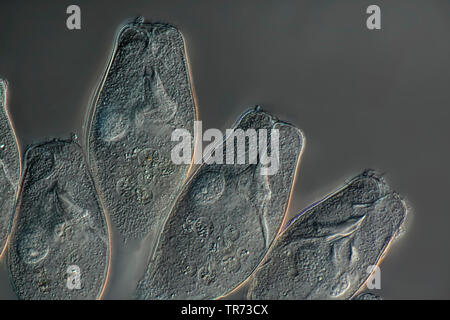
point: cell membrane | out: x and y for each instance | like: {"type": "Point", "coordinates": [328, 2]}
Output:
{"type": "Point", "coordinates": [145, 95]}
{"type": "Point", "coordinates": [59, 247]}
{"type": "Point", "coordinates": [9, 168]}
{"type": "Point", "coordinates": [329, 251]}
{"type": "Point", "coordinates": [225, 218]}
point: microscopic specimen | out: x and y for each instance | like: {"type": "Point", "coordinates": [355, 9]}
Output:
{"type": "Point", "coordinates": [325, 252]}
{"type": "Point", "coordinates": [144, 96]}
{"type": "Point", "coordinates": [225, 218]}
{"type": "Point", "coordinates": [59, 247]}
{"type": "Point", "coordinates": [9, 168]}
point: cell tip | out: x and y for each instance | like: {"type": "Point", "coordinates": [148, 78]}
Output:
{"type": "Point", "coordinates": [139, 20]}
{"type": "Point", "coordinates": [3, 83]}
{"type": "Point", "coordinates": [74, 137]}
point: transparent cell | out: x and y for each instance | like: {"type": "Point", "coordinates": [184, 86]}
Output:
{"type": "Point", "coordinates": [144, 96]}
{"type": "Point", "coordinates": [9, 168]}
{"type": "Point", "coordinates": [245, 219]}
{"type": "Point", "coordinates": [58, 223]}
{"type": "Point", "coordinates": [331, 244]}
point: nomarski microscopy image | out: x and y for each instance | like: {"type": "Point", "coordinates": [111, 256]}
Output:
{"type": "Point", "coordinates": [206, 150]}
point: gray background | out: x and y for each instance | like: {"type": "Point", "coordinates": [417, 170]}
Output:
{"type": "Point", "coordinates": [364, 99]}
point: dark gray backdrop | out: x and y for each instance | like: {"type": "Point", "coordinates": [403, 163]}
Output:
{"type": "Point", "coordinates": [364, 99]}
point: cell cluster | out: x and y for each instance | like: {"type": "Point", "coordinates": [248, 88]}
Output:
{"type": "Point", "coordinates": [215, 227]}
